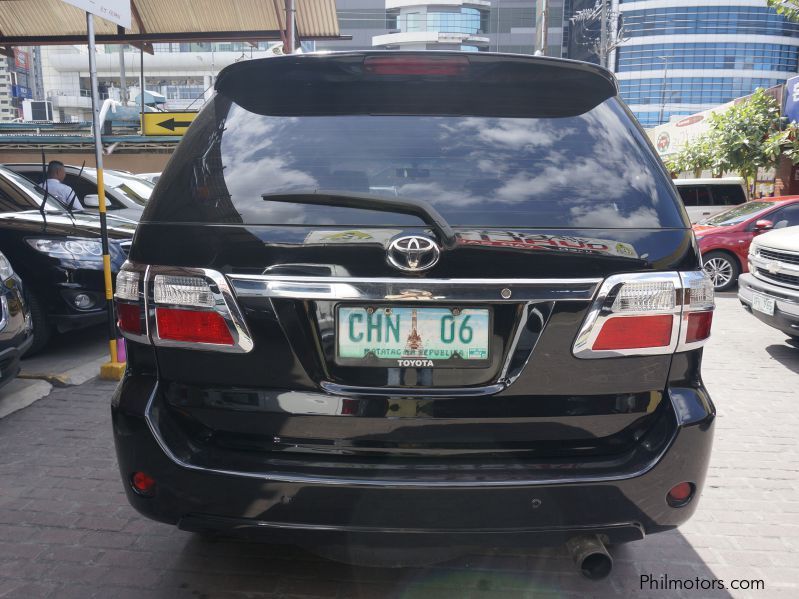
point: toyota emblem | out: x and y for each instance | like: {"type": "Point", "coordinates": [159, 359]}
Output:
{"type": "Point", "coordinates": [413, 253]}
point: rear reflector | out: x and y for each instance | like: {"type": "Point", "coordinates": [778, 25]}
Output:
{"type": "Point", "coordinates": [129, 318]}
{"type": "Point", "coordinates": [142, 483]}
{"type": "Point", "coordinates": [698, 326]}
{"type": "Point", "coordinates": [192, 326]}
{"type": "Point", "coordinates": [446, 66]}
{"type": "Point", "coordinates": [632, 332]}
{"type": "Point", "coordinates": [680, 494]}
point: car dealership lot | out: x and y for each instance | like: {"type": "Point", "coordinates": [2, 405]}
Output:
{"type": "Point", "coordinates": [66, 529]}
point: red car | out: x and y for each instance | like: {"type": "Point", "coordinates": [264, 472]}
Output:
{"type": "Point", "coordinates": [724, 238]}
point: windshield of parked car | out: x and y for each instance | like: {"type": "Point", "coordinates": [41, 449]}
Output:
{"type": "Point", "coordinates": [34, 193]}
{"type": "Point", "coordinates": [137, 190]}
{"type": "Point", "coordinates": [590, 170]}
{"type": "Point", "coordinates": [739, 214]}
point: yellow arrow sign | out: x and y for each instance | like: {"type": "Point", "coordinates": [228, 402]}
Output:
{"type": "Point", "coordinates": [167, 123]}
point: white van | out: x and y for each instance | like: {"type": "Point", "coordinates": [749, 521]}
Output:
{"type": "Point", "coordinates": [704, 198]}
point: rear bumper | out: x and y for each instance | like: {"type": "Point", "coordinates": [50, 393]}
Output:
{"type": "Point", "coordinates": [786, 303]}
{"type": "Point", "coordinates": [531, 508]}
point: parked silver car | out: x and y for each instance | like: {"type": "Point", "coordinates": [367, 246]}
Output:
{"type": "Point", "coordinates": [126, 194]}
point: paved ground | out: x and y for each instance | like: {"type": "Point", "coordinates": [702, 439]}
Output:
{"type": "Point", "coordinates": [66, 529]}
{"type": "Point", "coordinates": [69, 359]}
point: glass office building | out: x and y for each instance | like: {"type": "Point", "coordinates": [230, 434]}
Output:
{"type": "Point", "coordinates": [685, 56]}
{"type": "Point", "coordinates": [467, 25]}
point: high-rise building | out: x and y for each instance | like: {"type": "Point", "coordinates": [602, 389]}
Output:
{"type": "Point", "coordinates": [469, 25]}
{"type": "Point", "coordinates": [685, 56]}
{"type": "Point", "coordinates": [16, 83]}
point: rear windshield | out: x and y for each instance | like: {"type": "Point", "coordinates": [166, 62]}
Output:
{"type": "Point", "coordinates": [592, 170]}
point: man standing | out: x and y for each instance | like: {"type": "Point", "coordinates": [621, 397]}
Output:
{"type": "Point", "coordinates": [55, 186]}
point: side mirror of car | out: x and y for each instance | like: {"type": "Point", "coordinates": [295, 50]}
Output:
{"type": "Point", "coordinates": [763, 225]}
{"type": "Point", "coordinates": [93, 201]}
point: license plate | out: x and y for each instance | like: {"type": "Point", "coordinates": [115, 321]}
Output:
{"type": "Point", "coordinates": [763, 303]}
{"type": "Point", "coordinates": [409, 337]}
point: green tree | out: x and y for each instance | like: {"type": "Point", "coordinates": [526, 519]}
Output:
{"type": "Point", "coordinates": [787, 8]}
{"type": "Point", "coordinates": [742, 139]}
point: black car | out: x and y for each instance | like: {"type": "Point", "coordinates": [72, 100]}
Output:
{"type": "Point", "coordinates": [58, 255]}
{"type": "Point", "coordinates": [406, 303]}
{"type": "Point", "coordinates": [16, 334]}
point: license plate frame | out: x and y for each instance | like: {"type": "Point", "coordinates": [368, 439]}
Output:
{"type": "Point", "coordinates": [763, 303]}
{"type": "Point", "coordinates": [412, 362]}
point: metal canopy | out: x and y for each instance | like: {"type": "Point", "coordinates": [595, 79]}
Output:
{"type": "Point", "coordinates": [44, 22]}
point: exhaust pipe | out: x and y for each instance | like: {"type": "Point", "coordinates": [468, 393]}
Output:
{"type": "Point", "coordinates": [590, 556]}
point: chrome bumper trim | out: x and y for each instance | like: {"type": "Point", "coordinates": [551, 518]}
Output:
{"type": "Point", "coordinates": [414, 290]}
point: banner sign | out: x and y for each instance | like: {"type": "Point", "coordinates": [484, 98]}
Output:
{"type": "Point", "coordinates": [791, 110]}
{"type": "Point", "coordinates": [116, 11]}
{"type": "Point", "coordinates": [21, 59]}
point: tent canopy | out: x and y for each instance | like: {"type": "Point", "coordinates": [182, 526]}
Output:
{"type": "Point", "coordinates": [38, 22]}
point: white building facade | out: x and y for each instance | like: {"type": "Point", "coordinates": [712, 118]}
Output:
{"type": "Point", "coordinates": [183, 73]}
{"type": "Point", "coordinates": [440, 25]}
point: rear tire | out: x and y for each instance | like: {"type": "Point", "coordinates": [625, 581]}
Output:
{"type": "Point", "coordinates": [42, 331]}
{"type": "Point", "coordinates": [722, 268]}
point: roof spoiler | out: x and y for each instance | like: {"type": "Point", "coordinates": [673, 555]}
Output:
{"type": "Point", "coordinates": [417, 83]}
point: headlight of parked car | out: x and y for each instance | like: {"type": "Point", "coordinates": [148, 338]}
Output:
{"type": "Point", "coordinates": [5, 268]}
{"type": "Point", "coordinates": [68, 248]}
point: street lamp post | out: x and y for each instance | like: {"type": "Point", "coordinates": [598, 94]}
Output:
{"type": "Point", "coordinates": [665, 60]}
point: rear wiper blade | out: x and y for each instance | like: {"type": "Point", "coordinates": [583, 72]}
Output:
{"type": "Point", "coordinates": [365, 201]}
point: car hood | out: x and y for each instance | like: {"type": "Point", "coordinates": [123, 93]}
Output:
{"type": "Point", "coordinates": [780, 239]}
{"type": "Point", "coordinates": [79, 225]}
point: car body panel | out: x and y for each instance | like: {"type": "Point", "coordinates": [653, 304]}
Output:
{"type": "Point", "coordinates": [774, 257]}
{"type": "Point", "coordinates": [15, 330]}
{"type": "Point", "coordinates": [737, 238]}
{"type": "Point", "coordinates": [55, 280]}
{"type": "Point", "coordinates": [323, 448]}
{"type": "Point", "coordinates": [704, 198]}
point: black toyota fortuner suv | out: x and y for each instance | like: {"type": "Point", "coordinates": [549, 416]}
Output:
{"type": "Point", "coordinates": [413, 302]}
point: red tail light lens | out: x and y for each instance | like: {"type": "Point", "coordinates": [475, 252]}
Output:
{"type": "Point", "coordinates": [447, 66]}
{"type": "Point", "coordinates": [698, 326]}
{"type": "Point", "coordinates": [628, 332]}
{"type": "Point", "coordinates": [129, 318]}
{"type": "Point", "coordinates": [192, 326]}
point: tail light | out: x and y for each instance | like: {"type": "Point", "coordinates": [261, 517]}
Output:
{"type": "Point", "coordinates": [180, 307]}
{"type": "Point", "coordinates": [647, 314]}
{"type": "Point", "coordinates": [403, 64]}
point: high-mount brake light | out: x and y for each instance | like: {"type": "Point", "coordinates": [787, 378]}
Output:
{"type": "Point", "coordinates": [647, 314]}
{"type": "Point", "coordinates": [445, 66]}
{"type": "Point", "coordinates": [190, 308]}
